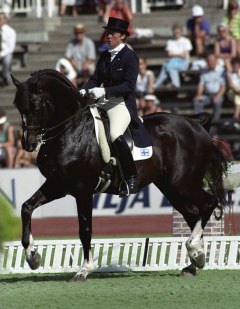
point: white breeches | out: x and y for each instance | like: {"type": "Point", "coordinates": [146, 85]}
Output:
{"type": "Point", "coordinates": [119, 119]}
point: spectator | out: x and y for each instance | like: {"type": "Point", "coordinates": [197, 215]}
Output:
{"type": "Point", "coordinates": [145, 82]}
{"type": "Point", "coordinates": [65, 67]}
{"type": "Point", "coordinates": [7, 141]}
{"type": "Point", "coordinates": [211, 89]}
{"type": "Point", "coordinates": [101, 6]}
{"type": "Point", "coordinates": [7, 46]}
{"type": "Point", "coordinates": [178, 53]}
{"type": "Point", "coordinates": [225, 46]}
{"type": "Point", "coordinates": [65, 3]}
{"type": "Point", "coordinates": [233, 79]}
{"type": "Point", "coordinates": [151, 104]}
{"type": "Point", "coordinates": [24, 158]}
{"type": "Point", "coordinates": [232, 19]}
{"type": "Point", "coordinates": [81, 52]}
{"type": "Point", "coordinates": [198, 28]}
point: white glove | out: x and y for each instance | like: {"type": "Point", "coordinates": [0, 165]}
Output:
{"type": "Point", "coordinates": [82, 92]}
{"type": "Point", "coordinates": [97, 92]}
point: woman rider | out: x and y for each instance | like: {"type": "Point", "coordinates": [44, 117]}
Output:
{"type": "Point", "coordinates": [115, 80]}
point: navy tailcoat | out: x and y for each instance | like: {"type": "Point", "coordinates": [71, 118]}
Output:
{"type": "Point", "coordinates": [118, 77]}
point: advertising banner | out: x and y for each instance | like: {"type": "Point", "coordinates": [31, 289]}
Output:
{"type": "Point", "coordinates": [20, 184]}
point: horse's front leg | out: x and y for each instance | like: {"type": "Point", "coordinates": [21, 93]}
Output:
{"type": "Point", "coordinates": [48, 192]}
{"type": "Point", "coordinates": [84, 206]}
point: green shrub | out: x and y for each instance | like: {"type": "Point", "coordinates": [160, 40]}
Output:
{"type": "Point", "coordinates": [9, 222]}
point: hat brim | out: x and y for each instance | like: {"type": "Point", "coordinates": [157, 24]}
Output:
{"type": "Point", "coordinates": [117, 29]}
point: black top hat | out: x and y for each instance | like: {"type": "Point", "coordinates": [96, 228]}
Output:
{"type": "Point", "coordinates": [118, 25]}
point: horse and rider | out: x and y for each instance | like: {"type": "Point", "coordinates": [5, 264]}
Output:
{"type": "Point", "coordinates": [57, 118]}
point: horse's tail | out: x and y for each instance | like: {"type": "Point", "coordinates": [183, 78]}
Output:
{"type": "Point", "coordinates": [215, 172]}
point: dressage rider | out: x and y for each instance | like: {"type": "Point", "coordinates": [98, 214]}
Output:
{"type": "Point", "coordinates": [113, 83]}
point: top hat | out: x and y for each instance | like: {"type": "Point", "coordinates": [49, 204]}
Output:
{"type": "Point", "coordinates": [118, 25]}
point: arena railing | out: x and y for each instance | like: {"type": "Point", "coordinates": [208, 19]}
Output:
{"type": "Point", "coordinates": [129, 254]}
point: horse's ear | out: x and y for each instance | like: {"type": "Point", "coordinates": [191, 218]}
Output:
{"type": "Point", "coordinates": [15, 81]}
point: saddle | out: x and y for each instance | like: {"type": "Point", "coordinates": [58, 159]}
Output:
{"type": "Point", "coordinates": [138, 141]}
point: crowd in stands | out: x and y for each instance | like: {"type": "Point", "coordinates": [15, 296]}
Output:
{"type": "Point", "coordinates": [216, 59]}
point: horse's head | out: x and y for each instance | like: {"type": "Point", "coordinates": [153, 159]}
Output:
{"type": "Point", "coordinates": [44, 100]}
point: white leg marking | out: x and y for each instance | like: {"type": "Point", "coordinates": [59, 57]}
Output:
{"type": "Point", "coordinates": [86, 269]}
{"type": "Point", "coordinates": [194, 244]}
{"type": "Point", "coordinates": [29, 248]}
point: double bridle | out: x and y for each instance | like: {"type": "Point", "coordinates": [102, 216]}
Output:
{"type": "Point", "coordinates": [46, 134]}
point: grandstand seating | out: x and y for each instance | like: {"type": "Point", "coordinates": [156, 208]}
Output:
{"type": "Point", "coordinates": [45, 40]}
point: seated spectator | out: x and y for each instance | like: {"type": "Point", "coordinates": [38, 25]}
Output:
{"type": "Point", "coordinates": [65, 3]}
{"type": "Point", "coordinates": [198, 28]}
{"type": "Point", "coordinates": [101, 6]}
{"type": "Point", "coordinates": [7, 47]}
{"type": "Point", "coordinates": [200, 64]}
{"type": "Point", "coordinates": [178, 53]}
{"type": "Point", "coordinates": [65, 67]}
{"type": "Point", "coordinates": [24, 158]}
{"type": "Point", "coordinates": [145, 82]}
{"type": "Point", "coordinates": [211, 89]}
{"type": "Point", "coordinates": [225, 46]}
{"type": "Point", "coordinates": [7, 140]}
{"type": "Point", "coordinates": [152, 104]}
{"type": "Point", "coordinates": [232, 20]}
{"type": "Point", "coordinates": [81, 53]}
{"type": "Point", "coordinates": [233, 79]}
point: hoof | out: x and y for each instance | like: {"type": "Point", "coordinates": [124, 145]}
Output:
{"type": "Point", "coordinates": [35, 260]}
{"type": "Point", "coordinates": [189, 271]}
{"type": "Point", "coordinates": [199, 260]}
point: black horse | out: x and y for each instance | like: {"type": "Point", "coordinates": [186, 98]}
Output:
{"type": "Point", "coordinates": [56, 116]}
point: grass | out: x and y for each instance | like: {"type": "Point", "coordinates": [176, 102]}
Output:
{"type": "Point", "coordinates": [210, 289]}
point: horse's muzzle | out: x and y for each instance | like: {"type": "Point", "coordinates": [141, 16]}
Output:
{"type": "Point", "coordinates": [29, 144]}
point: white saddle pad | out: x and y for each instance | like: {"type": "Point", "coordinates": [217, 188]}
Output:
{"type": "Point", "coordinates": [137, 153]}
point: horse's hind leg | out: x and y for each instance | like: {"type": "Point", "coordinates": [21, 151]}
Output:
{"type": "Point", "coordinates": [206, 204]}
{"type": "Point", "coordinates": [84, 206]}
{"type": "Point", "coordinates": [48, 192]}
{"type": "Point", "coordinates": [189, 211]}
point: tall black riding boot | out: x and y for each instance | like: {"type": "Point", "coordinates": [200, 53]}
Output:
{"type": "Point", "coordinates": [127, 165]}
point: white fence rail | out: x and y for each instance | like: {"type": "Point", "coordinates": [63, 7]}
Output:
{"type": "Point", "coordinates": [36, 8]}
{"type": "Point", "coordinates": [137, 254]}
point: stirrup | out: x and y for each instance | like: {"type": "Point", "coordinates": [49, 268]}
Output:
{"type": "Point", "coordinates": [129, 187]}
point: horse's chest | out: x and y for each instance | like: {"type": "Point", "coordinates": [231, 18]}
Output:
{"type": "Point", "coordinates": [49, 166]}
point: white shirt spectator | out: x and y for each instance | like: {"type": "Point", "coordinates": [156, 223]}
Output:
{"type": "Point", "coordinates": [70, 72]}
{"type": "Point", "coordinates": [81, 52]}
{"type": "Point", "coordinates": [8, 40]}
{"type": "Point", "coordinates": [142, 84]}
{"type": "Point", "coordinates": [235, 78]}
{"type": "Point", "coordinates": [212, 80]}
{"type": "Point", "coordinates": [179, 46]}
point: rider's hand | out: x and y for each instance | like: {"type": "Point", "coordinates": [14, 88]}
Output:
{"type": "Point", "coordinates": [82, 92]}
{"type": "Point", "coordinates": [97, 92]}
